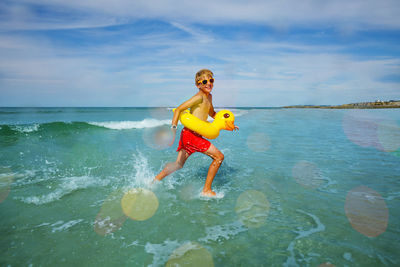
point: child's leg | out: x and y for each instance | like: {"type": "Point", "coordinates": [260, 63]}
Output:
{"type": "Point", "coordinates": [173, 166]}
{"type": "Point", "coordinates": [217, 157]}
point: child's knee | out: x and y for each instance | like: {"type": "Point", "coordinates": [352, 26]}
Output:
{"type": "Point", "coordinates": [179, 165]}
{"type": "Point", "coordinates": [173, 166]}
{"type": "Point", "coordinates": [220, 158]}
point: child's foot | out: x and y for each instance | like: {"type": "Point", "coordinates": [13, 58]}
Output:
{"type": "Point", "coordinates": [208, 193]}
{"type": "Point", "coordinates": [154, 182]}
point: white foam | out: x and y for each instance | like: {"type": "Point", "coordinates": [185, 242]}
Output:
{"type": "Point", "coordinates": [25, 128]}
{"type": "Point", "coordinates": [143, 176]}
{"type": "Point", "coordinates": [178, 253]}
{"type": "Point", "coordinates": [68, 185]}
{"type": "Point", "coordinates": [124, 125]}
{"type": "Point", "coordinates": [218, 232]}
{"type": "Point", "coordinates": [161, 252]}
{"type": "Point", "coordinates": [320, 227]}
{"type": "Point", "coordinates": [239, 112]}
{"type": "Point", "coordinates": [105, 224]}
{"type": "Point", "coordinates": [291, 260]}
{"type": "Point", "coordinates": [60, 225]}
{"type": "Point", "coordinates": [6, 175]}
{"type": "Point", "coordinates": [28, 177]}
{"type": "Point", "coordinates": [393, 195]}
{"type": "Point", "coordinates": [134, 243]}
{"type": "Point", "coordinates": [347, 256]}
{"type": "Point", "coordinates": [327, 187]}
{"type": "Point", "coordinates": [43, 224]}
{"type": "Point", "coordinates": [49, 162]}
{"type": "Point", "coordinates": [384, 259]}
{"type": "Point", "coordinates": [218, 195]}
{"type": "Point", "coordinates": [64, 226]}
{"type": "Point", "coordinates": [366, 196]}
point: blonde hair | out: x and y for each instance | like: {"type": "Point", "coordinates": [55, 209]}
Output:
{"type": "Point", "coordinates": [201, 73]}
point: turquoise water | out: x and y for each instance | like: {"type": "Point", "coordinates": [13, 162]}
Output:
{"type": "Point", "coordinates": [298, 187]}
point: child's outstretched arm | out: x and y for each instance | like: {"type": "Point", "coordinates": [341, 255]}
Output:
{"type": "Point", "coordinates": [196, 99]}
{"type": "Point", "coordinates": [212, 112]}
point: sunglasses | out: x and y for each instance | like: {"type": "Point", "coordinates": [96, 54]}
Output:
{"type": "Point", "coordinates": [205, 81]}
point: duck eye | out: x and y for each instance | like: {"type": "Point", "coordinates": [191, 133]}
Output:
{"type": "Point", "coordinates": [226, 115]}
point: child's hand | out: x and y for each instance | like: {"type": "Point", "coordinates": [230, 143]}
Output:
{"type": "Point", "coordinates": [236, 128]}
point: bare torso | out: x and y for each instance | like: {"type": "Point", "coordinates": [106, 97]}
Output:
{"type": "Point", "coordinates": [202, 109]}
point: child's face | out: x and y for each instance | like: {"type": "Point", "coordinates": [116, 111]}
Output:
{"type": "Point", "coordinates": [206, 88]}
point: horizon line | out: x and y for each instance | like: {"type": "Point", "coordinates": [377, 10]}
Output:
{"type": "Point", "coordinates": [299, 105]}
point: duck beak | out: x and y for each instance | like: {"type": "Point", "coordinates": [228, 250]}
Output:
{"type": "Point", "coordinates": [229, 125]}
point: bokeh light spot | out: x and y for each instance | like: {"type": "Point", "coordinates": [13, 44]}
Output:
{"type": "Point", "coordinates": [361, 127]}
{"type": "Point", "coordinates": [307, 174]}
{"type": "Point", "coordinates": [139, 204]}
{"type": "Point", "coordinates": [111, 217]}
{"type": "Point", "coordinates": [158, 137]}
{"type": "Point", "coordinates": [367, 129]}
{"type": "Point", "coordinates": [326, 264]}
{"type": "Point", "coordinates": [188, 192]}
{"type": "Point", "coordinates": [6, 179]}
{"type": "Point", "coordinates": [252, 208]}
{"type": "Point", "coordinates": [389, 136]}
{"type": "Point", "coordinates": [366, 211]}
{"type": "Point", "coordinates": [190, 254]}
{"type": "Point", "coordinates": [258, 142]}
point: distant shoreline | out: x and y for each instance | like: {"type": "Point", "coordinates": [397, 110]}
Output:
{"type": "Point", "coordinates": [361, 105]}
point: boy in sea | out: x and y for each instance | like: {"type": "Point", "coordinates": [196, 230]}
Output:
{"type": "Point", "coordinates": [200, 106]}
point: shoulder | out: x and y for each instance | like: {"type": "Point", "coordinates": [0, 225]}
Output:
{"type": "Point", "coordinates": [196, 99]}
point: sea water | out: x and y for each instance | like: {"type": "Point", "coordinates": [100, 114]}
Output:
{"type": "Point", "coordinates": [298, 187]}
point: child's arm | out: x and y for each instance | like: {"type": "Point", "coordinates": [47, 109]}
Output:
{"type": "Point", "coordinates": [196, 99]}
{"type": "Point", "coordinates": [211, 112]}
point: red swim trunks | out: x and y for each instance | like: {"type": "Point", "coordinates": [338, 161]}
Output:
{"type": "Point", "coordinates": [192, 142]}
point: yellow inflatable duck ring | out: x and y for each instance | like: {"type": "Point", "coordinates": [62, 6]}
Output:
{"type": "Point", "coordinates": [224, 120]}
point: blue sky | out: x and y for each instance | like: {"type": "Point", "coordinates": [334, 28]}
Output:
{"type": "Point", "coordinates": [145, 53]}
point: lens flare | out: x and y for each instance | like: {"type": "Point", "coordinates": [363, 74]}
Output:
{"type": "Point", "coordinates": [326, 264]}
{"type": "Point", "coordinates": [252, 208]}
{"type": "Point", "coordinates": [366, 211]}
{"type": "Point", "coordinates": [361, 127]}
{"type": "Point", "coordinates": [158, 137]}
{"type": "Point", "coordinates": [370, 130]}
{"type": "Point", "coordinates": [188, 192]}
{"type": "Point", "coordinates": [139, 204]}
{"type": "Point", "coordinates": [6, 179]}
{"type": "Point", "coordinates": [258, 142]}
{"type": "Point", "coordinates": [389, 136]}
{"type": "Point", "coordinates": [111, 217]}
{"type": "Point", "coordinates": [190, 254]}
{"type": "Point", "coordinates": [307, 174]}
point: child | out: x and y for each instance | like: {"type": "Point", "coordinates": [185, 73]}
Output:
{"type": "Point", "coordinates": [200, 106]}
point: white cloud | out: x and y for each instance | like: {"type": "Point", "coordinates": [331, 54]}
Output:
{"type": "Point", "coordinates": [136, 68]}
{"type": "Point", "coordinates": [343, 14]}
{"type": "Point", "coordinates": [249, 73]}
{"type": "Point", "coordinates": [196, 33]}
